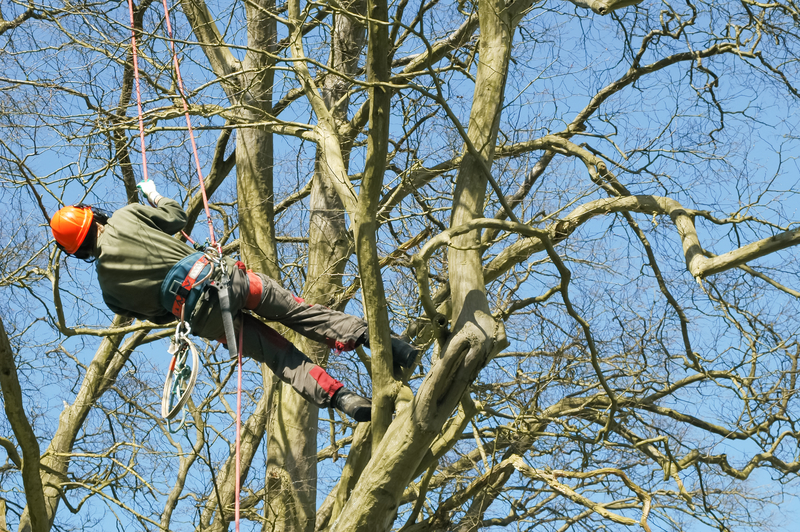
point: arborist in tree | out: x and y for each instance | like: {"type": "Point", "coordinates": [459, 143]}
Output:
{"type": "Point", "coordinates": [146, 273]}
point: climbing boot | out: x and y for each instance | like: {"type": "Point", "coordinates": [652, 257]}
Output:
{"type": "Point", "coordinates": [352, 404]}
{"type": "Point", "coordinates": [404, 355]}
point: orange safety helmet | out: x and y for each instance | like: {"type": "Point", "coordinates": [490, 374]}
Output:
{"type": "Point", "coordinates": [70, 226]}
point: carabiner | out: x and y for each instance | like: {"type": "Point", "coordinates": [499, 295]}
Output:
{"type": "Point", "coordinates": [180, 335]}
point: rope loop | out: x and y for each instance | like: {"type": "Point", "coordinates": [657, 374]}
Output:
{"type": "Point", "coordinates": [181, 376]}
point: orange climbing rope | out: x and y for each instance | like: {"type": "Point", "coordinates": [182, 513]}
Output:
{"type": "Point", "coordinates": [182, 93]}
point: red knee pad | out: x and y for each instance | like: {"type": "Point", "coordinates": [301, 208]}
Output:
{"type": "Point", "coordinates": [254, 291]}
{"type": "Point", "coordinates": [326, 382]}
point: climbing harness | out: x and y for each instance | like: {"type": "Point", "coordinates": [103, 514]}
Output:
{"type": "Point", "coordinates": [183, 284]}
{"type": "Point", "coordinates": [180, 380]}
{"type": "Point", "coordinates": [180, 292]}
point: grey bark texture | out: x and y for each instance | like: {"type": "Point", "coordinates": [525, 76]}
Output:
{"type": "Point", "coordinates": [37, 511]}
{"type": "Point", "coordinates": [476, 335]}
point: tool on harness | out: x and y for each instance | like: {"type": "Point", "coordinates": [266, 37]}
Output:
{"type": "Point", "coordinates": [230, 337]}
{"type": "Point", "coordinates": [225, 306]}
{"type": "Point", "coordinates": [181, 376]}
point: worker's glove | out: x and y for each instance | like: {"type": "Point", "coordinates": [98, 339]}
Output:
{"type": "Point", "coordinates": [148, 188]}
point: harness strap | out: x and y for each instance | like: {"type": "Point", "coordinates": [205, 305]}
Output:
{"type": "Point", "coordinates": [187, 285]}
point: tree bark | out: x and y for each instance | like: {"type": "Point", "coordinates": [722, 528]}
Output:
{"type": "Point", "coordinates": [366, 225]}
{"type": "Point", "coordinates": [36, 509]}
{"type": "Point", "coordinates": [3, 525]}
{"type": "Point", "coordinates": [374, 502]}
{"type": "Point", "coordinates": [293, 435]}
{"type": "Point", "coordinates": [254, 157]}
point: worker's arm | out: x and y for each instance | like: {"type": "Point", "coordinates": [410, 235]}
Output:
{"type": "Point", "coordinates": [167, 213]}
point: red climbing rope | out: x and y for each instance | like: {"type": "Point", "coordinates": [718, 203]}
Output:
{"type": "Point", "coordinates": [138, 91]}
{"type": "Point", "coordinates": [182, 92]}
{"type": "Point", "coordinates": [238, 428]}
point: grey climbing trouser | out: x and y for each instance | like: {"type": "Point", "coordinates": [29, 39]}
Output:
{"type": "Point", "coordinates": [265, 297]}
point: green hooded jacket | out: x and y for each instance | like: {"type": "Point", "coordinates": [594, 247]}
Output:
{"type": "Point", "coordinates": [135, 252]}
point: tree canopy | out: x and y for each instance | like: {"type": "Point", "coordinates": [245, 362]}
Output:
{"type": "Point", "coordinates": [584, 212]}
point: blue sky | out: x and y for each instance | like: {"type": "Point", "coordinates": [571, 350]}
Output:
{"type": "Point", "coordinates": [560, 61]}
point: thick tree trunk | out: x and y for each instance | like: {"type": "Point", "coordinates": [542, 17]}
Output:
{"type": "Point", "coordinates": [256, 200]}
{"type": "Point", "coordinates": [293, 433]}
{"type": "Point", "coordinates": [249, 87]}
{"type": "Point", "coordinates": [254, 153]}
{"type": "Point", "coordinates": [366, 226]}
{"type": "Point", "coordinates": [36, 511]}
{"type": "Point", "coordinates": [3, 525]}
{"type": "Point", "coordinates": [374, 502]}
{"type": "Point", "coordinates": [255, 191]}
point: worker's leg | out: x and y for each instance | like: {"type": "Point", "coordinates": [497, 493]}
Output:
{"type": "Point", "coordinates": [263, 344]}
{"type": "Point", "coordinates": [336, 329]}
{"type": "Point", "coordinates": [343, 332]}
